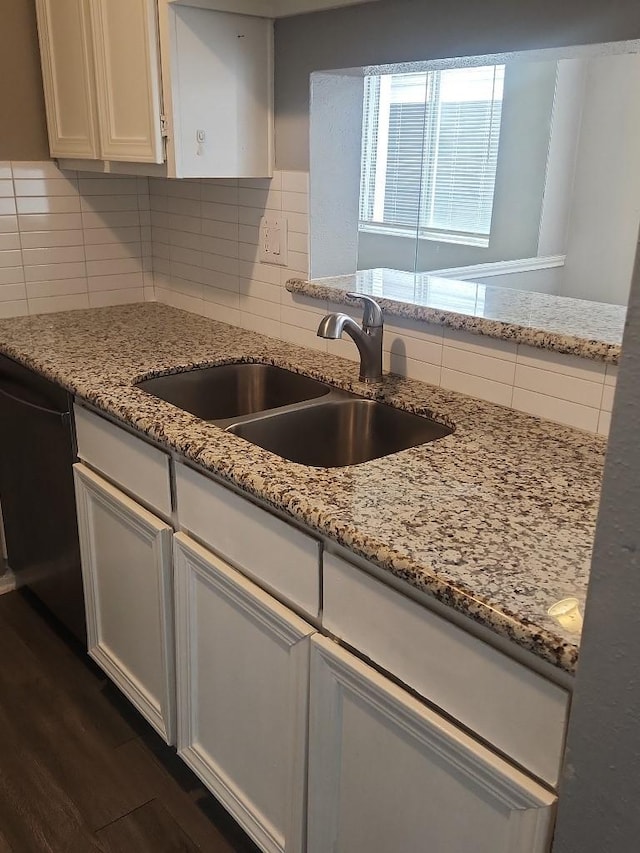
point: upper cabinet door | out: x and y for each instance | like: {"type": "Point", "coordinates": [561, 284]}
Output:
{"type": "Point", "coordinates": [128, 80]}
{"type": "Point", "coordinates": [67, 72]}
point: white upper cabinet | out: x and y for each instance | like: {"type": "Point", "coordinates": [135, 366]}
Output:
{"type": "Point", "coordinates": [125, 37]}
{"type": "Point", "coordinates": [179, 91]}
{"type": "Point", "coordinates": [64, 30]}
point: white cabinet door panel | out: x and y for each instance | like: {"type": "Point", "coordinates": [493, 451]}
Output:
{"type": "Point", "coordinates": [387, 773]}
{"type": "Point", "coordinates": [242, 666]}
{"type": "Point", "coordinates": [126, 567]}
{"type": "Point", "coordinates": [128, 80]}
{"type": "Point", "coordinates": [67, 73]}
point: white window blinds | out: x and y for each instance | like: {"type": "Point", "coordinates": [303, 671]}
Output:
{"type": "Point", "coordinates": [429, 152]}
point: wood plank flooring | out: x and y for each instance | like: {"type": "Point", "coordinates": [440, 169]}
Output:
{"type": "Point", "coordinates": [80, 770]}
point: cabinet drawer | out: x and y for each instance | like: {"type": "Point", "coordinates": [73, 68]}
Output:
{"type": "Point", "coordinates": [135, 465]}
{"type": "Point", "coordinates": [264, 547]}
{"type": "Point", "coordinates": [515, 709]}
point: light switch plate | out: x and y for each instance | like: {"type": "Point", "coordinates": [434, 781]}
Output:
{"type": "Point", "coordinates": [273, 245]}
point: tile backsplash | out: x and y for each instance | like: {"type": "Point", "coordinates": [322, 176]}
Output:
{"type": "Point", "coordinates": [71, 240]}
{"type": "Point", "coordinates": [75, 240]}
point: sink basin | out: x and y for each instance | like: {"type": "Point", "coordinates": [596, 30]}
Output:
{"type": "Point", "coordinates": [233, 390]}
{"type": "Point", "coordinates": [340, 432]}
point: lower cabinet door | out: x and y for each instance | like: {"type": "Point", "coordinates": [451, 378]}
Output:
{"type": "Point", "coordinates": [126, 568]}
{"type": "Point", "coordinates": [386, 773]}
{"type": "Point", "coordinates": [243, 674]}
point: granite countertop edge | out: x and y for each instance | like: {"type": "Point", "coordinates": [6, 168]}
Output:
{"type": "Point", "coordinates": [564, 343]}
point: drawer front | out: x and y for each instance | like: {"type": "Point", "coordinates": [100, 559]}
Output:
{"type": "Point", "coordinates": [138, 467]}
{"type": "Point", "coordinates": [513, 708]}
{"type": "Point", "coordinates": [267, 549]}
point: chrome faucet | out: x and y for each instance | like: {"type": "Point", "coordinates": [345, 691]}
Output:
{"type": "Point", "coordinates": [368, 339]}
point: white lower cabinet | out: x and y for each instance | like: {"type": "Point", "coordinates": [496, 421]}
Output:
{"type": "Point", "coordinates": [242, 664]}
{"type": "Point", "coordinates": [126, 566]}
{"type": "Point", "coordinates": [386, 773]}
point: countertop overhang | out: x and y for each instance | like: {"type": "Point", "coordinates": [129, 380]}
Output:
{"type": "Point", "coordinates": [495, 521]}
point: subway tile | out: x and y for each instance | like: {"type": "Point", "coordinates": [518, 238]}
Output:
{"type": "Point", "coordinates": [221, 280]}
{"type": "Point", "coordinates": [104, 298]}
{"type": "Point", "coordinates": [559, 385]}
{"type": "Point", "coordinates": [111, 219]}
{"type": "Point", "coordinates": [6, 189]}
{"type": "Point", "coordinates": [9, 242]}
{"type": "Point", "coordinates": [162, 250]}
{"type": "Point", "coordinates": [183, 301]}
{"type": "Point", "coordinates": [413, 329]}
{"type": "Point", "coordinates": [411, 368]}
{"type": "Point", "coordinates": [144, 217]}
{"type": "Point", "coordinates": [180, 222]}
{"type": "Point", "coordinates": [108, 203]}
{"type": "Point", "coordinates": [12, 292]}
{"type": "Point", "coordinates": [414, 348]}
{"type": "Point", "coordinates": [115, 282]}
{"type": "Point", "coordinates": [250, 216]}
{"type": "Point", "coordinates": [261, 199]}
{"type": "Point", "coordinates": [262, 325]}
{"type": "Point", "coordinates": [11, 258]}
{"type": "Point", "coordinates": [8, 224]}
{"type": "Point", "coordinates": [604, 423]}
{"type": "Point", "coordinates": [216, 246]}
{"type": "Point", "coordinates": [221, 296]}
{"type": "Point", "coordinates": [118, 266]}
{"type": "Point", "coordinates": [219, 212]}
{"type": "Point", "coordinates": [5, 170]}
{"type": "Point", "coordinates": [7, 206]}
{"type": "Point", "coordinates": [184, 207]}
{"type": "Point", "coordinates": [475, 386]}
{"type": "Point", "coordinates": [261, 307]}
{"type": "Point", "coordinates": [111, 236]}
{"type": "Point", "coordinates": [46, 187]}
{"type": "Point", "coordinates": [188, 272]}
{"type": "Point", "coordinates": [611, 375]}
{"type": "Point", "coordinates": [56, 255]}
{"type": "Point", "coordinates": [51, 239]}
{"type": "Point", "coordinates": [38, 169]}
{"type": "Point", "coordinates": [346, 349]}
{"type": "Point", "coordinates": [259, 289]}
{"type": "Point", "coordinates": [49, 272]}
{"type": "Point", "coordinates": [222, 313]}
{"type": "Point", "coordinates": [111, 251]}
{"type": "Point", "coordinates": [185, 240]}
{"type": "Point", "coordinates": [17, 308]}
{"type": "Point", "coordinates": [293, 316]}
{"type": "Point", "coordinates": [295, 182]}
{"type": "Point", "coordinates": [554, 409]}
{"type": "Point", "coordinates": [48, 204]}
{"type": "Point", "coordinates": [183, 189]}
{"type": "Point", "coordinates": [295, 202]}
{"type": "Point", "coordinates": [262, 272]}
{"type": "Point", "coordinates": [570, 365]}
{"type": "Point", "coordinates": [222, 230]}
{"type": "Point", "coordinates": [50, 304]}
{"type": "Point", "coordinates": [185, 256]}
{"type": "Point", "coordinates": [299, 261]}
{"type": "Point", "coordinates": [248, 253]}
{"type": "Point", "coordinates": [220, 264]}
{"type": "Point", "coordinates": [299, 300]}
{"type": "Point", "coordinates": [219, 194]}
{"type": "Point", "coordinates": [50, 222]}
{"type": "Point", "coordinates": [112, 186]}
{"type": "Point", "coordinates": [506, 350]}
{"type": "Point", "coordinates": [57, 287]}
{"type": "Point", "coordinates": [607, 398]}
{"type": "Point", "coordinates": [302, 337]}
{"type": "Point", "coordinates": [11, 275]}
{"type": "Point", "coordinates": [249, 234]}
{"type": "Point", "coordinates": [299, 243]}
{"type": "Point", "coordinates": [475, 364]}
{"type": "Point", "coordinates": [298, 222]}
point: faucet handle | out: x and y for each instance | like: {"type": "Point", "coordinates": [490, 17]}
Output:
{"type": "Point", "coordinates": [372, 317]}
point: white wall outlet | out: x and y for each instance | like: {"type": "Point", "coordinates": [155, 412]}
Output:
{"type": "Point", "coordinates": [273, 240]}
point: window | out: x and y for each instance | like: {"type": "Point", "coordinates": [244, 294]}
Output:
{"type": "Point", "coordinates": [429, 153]}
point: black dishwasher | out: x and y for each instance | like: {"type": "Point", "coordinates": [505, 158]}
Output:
{"type": "Point", "coordinates": [36, 491]}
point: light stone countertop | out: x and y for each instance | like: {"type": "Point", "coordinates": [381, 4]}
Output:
{"type": "Point", "coordinates": [495, 520]}
{"type": "Point", "coordinates": [574, 326]}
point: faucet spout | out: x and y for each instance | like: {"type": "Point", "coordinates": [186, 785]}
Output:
{"type": "Point", "coordinates": [368, 339]}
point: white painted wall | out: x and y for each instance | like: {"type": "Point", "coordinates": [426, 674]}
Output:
{"type": "Point", "coordinates": [605, 210]}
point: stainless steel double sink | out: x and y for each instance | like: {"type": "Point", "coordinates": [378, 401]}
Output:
{"type": "Point", "coordinates": [296, 417]}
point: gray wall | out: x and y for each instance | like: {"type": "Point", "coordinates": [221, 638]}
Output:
{"type": "Point", "coordinates": [405, 30]}
{"type": "Point", "coordinates": [23, 131]}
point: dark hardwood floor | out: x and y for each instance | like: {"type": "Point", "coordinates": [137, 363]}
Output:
{"type": "Point", "coordinates": [80, 770]}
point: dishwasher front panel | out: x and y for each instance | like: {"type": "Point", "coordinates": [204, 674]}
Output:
{"type": "Point", "coordinates": [37, 492]}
